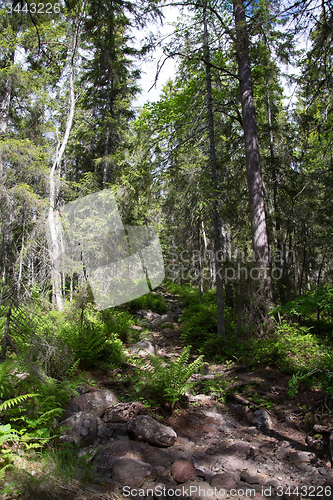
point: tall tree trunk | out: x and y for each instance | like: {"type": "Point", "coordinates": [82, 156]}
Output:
{"type": "Point", "coordinates": [254, 179]}
{"type": "Point", "coordinates": [280, 264]}
{"type": "Point", "coordinates": [214, 177]}
{"type": "Point", "coordinates": [5, 97]}
{"type": "Point", "coordinates": [54, 224]}
{"type": "Point", "coordinates": [5, 338]}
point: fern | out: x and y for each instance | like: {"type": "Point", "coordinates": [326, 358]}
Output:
{"type": "Point", "coordinates": [14, 401]}
{"type": "Point", "coordinates": [3, 470]}
{"type": "Point", "coordinates": [7, 434]}
{"type": "Point", "coordinates": [169, 381]}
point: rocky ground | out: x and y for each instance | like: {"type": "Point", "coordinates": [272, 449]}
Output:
{"type": "Point", "coordinates": [208, 450]}
{"type": "Point", "coordinates": [259, 443]}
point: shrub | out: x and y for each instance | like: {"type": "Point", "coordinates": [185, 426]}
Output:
{"type": "Point", "coordinates": [90, 338]}
{"type": "Point", "coordinates": [166, 382]}
{"type": "Point", "coordinates": [150, 301]}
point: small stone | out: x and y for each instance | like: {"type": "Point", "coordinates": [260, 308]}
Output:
{"type": "Point", "coordinates": [225, 481]}
{"type": "Point", "coordinates": [183, 471]}
{"type": "Point", "coordinates": [95, 402]}
{"type": "Point", "coordinates": [262, 420]}
{"type": "Point", "coordinates": [250, 478]}
{"type": "Point", "coordinates": [241, 450]}
{"type": "Point", "coordinates": [200, 490]}
{"type": "Point", "coordinates": [272, 483]}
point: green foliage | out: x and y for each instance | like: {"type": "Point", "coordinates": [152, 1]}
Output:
{"type": "Point", "coordinates": [118, 321]}
{"type": "Point", "coordinates": [151, 301]}
{"type": "Point", "coordinates": [11, 402]}
{"type": "Point", "coordinates": [309, 303]}
{"type": "Point", "coordinates": [167, 381]}
{"type": "Point", "coordinates": [217, 388]}
{"type": "Point", "coordinates": [7, 378]}
{"type": "Point", "coordinates": [7, 434]}
{"type": "Point", "coordinates": [90, 337]}
{"type": "Point", "coordinates": [66, 462]}
{"type": "Point", "coordinates": [290, 347]}
{"type": "Point", "coordinates": [199, 321]}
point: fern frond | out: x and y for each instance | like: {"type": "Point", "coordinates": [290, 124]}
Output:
{"type": "Point", "coordinates": [14, 401]}
{"type": "Point", "coordinates": [49, 414]}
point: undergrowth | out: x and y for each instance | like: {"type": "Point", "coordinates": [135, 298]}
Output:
{"type": "Point", "coordinates": [165, 382]}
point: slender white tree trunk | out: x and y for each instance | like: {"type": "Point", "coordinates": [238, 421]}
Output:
{"type": "Point", "coordinates": [54, 223]}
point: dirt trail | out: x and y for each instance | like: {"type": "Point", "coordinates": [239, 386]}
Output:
{"type": "Point", "coordinates": [222, 438]}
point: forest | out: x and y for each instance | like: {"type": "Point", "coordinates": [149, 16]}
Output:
{"type": "Point", "coordinates": [230, 169]}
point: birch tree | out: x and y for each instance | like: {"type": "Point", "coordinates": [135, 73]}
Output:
{"type": "Point", "coordinates": [54, 224]}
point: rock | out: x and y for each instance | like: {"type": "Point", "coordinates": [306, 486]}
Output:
{"type": "Point", "coordinates": [160, 469]}
{"type": "Point", "coordinates": [161, 488]}
{"type": "Point", "coordinates": [225, 481]}
{"type": "Point", "coordinates": [255, 488]}
{"type": "Point", "coordinates": [241, 411]}
{"type": "Point", "coordinates": [103, 431]}
{"type": "Point", "coordinates": [96, 402]}
{"type": "Point", "coordinates": [131, 472]}
{"type": "Point", "coordinates": [142, 348]}
{"type": "Point", "coordinates": [122, 412]}
{"type": "Point", "coordinates": [250, 478]}
{"type": "Point", "coordinates": [106, 456]}
{"type": "Point", "coordinates": [272, 483]}
{"type": "Point", "coordinates": [183, 471]}
{"type": "Point", "coordinates": [165, 318]}
{"type": "Point", "coordinates": [145, 428]}
{"type": "Point", "coordinates": [262, 420]}
{"type": "Point", "coordinates": [241, 450]}
{"type": "Point", "coordinates": [80, 429]}
{"type": "Point", "coordinates": [300, 456]}
{"type": "Point", "coordinates": [328, 488]}
{"type": "Point", "coordinates": [283, 453]}
{"type": "Point", "coordinates": [198, 490]}
{"type": "Point", "coordinates": [148, 315]}
{"type": "Point", "coordinates": [316, 444]}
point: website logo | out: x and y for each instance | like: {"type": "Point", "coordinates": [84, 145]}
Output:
{"type": "Point", "coordinates": [120, 262]}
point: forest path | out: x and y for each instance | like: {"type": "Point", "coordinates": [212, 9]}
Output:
{"type": "Point", "coordinates": [220, 437]}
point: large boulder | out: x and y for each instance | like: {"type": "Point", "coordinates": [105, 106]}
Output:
{"type": "Point", "coordinates": [131, 472]}
{"type": "Point", "coordinates": [96, 402]}
{"type": "Point", "coordinates": [145, 428]}
{"type": "Point", "coordinates": [122, 412]}
{"type": "Point", "coordinates": [80, 429]}
{"type": "Point", "coordinates": [107, 455]}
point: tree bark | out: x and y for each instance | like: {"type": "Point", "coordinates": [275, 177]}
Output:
{"type": "Point", "coordinates": [54, 224]}
{"type": "Point", "coordinates": [214, 177]}
{"type": "Point", "coordinates": [254, 179]}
